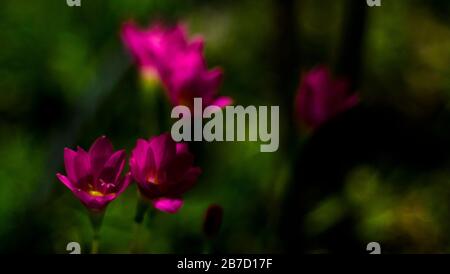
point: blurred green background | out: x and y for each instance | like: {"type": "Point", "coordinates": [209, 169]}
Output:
{"type": "Point", "coordinates": [66, 78]}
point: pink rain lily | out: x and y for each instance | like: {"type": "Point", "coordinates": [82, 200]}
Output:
{"type": "Point", "coordinates": [94, 177]}
{"type": "Point", "coordinates": [164, 171]}
{"type": "Point", "coordinates": [179, 63]}
{"type": "Point", "coordinates": [320, 97]}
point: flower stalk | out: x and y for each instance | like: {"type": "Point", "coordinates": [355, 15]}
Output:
{"type": "Point", "coordinates": [96, 218]}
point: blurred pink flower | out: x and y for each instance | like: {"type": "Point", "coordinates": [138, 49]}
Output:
{"type": "Point", "coordinates": [164, 171]}
{"type": "Point", "coordinates": [178, 63]}
{"type": "Point", "coordinates": [148, 46]}
{"type": "Point", "coordinates": [320, 97]}
{"type": "Point", "coordinates": [95, 176]}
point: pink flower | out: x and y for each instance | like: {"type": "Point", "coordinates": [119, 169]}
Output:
{"type": "Point", "coordinates": [179, 63]}
{"type": "Point", "coordinates": [148, 46]}
{"type": "Point", "coordinates": [95, 176]}
{"type": "Point", "coordinates": [164, 171]}
{"type": "Point", "coordinates": [320, 97]}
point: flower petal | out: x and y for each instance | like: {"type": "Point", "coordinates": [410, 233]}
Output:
{"type": "Point", "coordinates": [185, 69]}
{"type": "Point", "coordinates": [223, 101]}
{"type": "Point", "coordinates": [69, 162]}
{"type": "Point", "coordinates": [182, 148]}
{"type": "Point", "coordinates": [189, 179]}
{"type": "Point", "coordinates": [94, 202]}
{"type": "Point", "coordinates": [212, 79]}
{"type": "Point", "coordinates": [100, 151]}
{"type": "Point", "coordinates": [113, 167]}
{"type": "Point", "coordinates": [135, 40]}
{"type": "Point", "coordinates": [197, 44]}
{"type": "Point", "coordinates": [164, 149]}
{"type": "Point", "coordinates": [137, 159]}
{"type": "Point", "coordinates": [82, 168]}
{"type": "Point", "coordinates": [176, 169]}
{"type": "Point", "coordinates": [124, 183]}
{"type": "Point", "coordinates": [168, 205]}
{"type": "Point", "coordinates": [66, 181]}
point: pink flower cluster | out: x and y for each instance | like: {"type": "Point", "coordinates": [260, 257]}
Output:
{"type": "Point", "coordinates": [178, 62]}
{"type": "Point", "coordinates": [163, 170]}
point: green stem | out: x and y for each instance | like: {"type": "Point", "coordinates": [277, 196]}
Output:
{"type": "Point", "coordinates": [141, 209]}
{"type": "Point", "coordinates": [95, 244]}
{"type": "Point", "coordinates": [96, 219]}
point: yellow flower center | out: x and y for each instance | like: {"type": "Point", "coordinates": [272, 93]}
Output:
{"type": "Point", "coordinates": [96, 193]}
{"type": "Point", "coordinates": [152, 179]}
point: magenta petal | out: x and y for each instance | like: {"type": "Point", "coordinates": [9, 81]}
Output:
{"type": "Point", "coordinates": [94, 202]}
{"type": "Point", "coordinates": [124, 183]}
{"type": "Point", "coordinates": [142, 162]}
{"type": "Point", "coordinates": [135, 40]}
{"type": "Point", "coordinates": [113, 167]}
{"type": "Point", "coordinates": [168, 205]}
{"type": "Point", "coordinates": [101, 146]}
{"type": "Point", "coordinates": [212, 79]}
{"type": "Point", "coordinates": [190, 178]}
{"type": "Point", "coordinates": [82, 166]}
{"type": "Point", "coordinates": [175, 38]}
{"type": "Point", "coordinates": [100, 151]}
{"type": "Point", "coordinates": [140, 151]}
{"type": "Point", "coordinates": [223, 101]}
{"type": "Point", "coordinates": [189, 66]}
{"type": "Point", "coordinates": [138, 159]}
{"type": "Point", "coordinates": [66, 181]}
{"type": "Point", "coordinates": [69, 162]}
{"type": "Point", "coordinates": [179, 166]}
{"type": "Point", "coordinates": [136, 173]}
{"type": "Point", "coordinates": [182, 148]}
{"type": "Point", "coordinates": [197, 45]}
{"type": "Point", "coordinates": [164, 149]}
